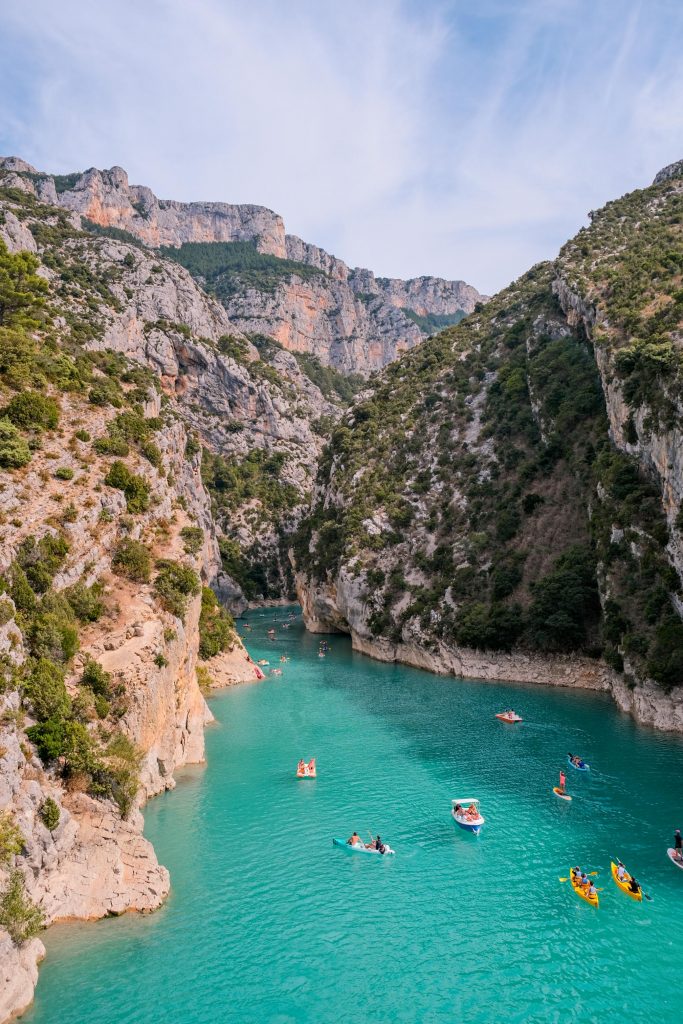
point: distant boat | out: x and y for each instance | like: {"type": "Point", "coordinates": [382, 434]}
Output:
{"type": "Point", "coordinates": [469, 822]}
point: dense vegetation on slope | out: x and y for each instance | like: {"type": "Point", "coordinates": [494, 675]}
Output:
{"type": "Point", "coordinates": [477, 495]}
{"type": "Point", "coordinates": [43, 364]}
{"type": "Point", "coordinates": [432, 323]}
{"type": "Point", "coordinates": [225, 268]}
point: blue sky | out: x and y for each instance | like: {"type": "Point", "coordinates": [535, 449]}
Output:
{"type": "Point", "coordinates": [464, 139]}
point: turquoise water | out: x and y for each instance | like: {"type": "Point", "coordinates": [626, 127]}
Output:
{"type": "Point", "coordinates": [268, 922]}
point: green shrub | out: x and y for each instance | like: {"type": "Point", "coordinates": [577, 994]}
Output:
{"type": "Point", "coordinates": [64, 473]}
{"type": "Point", "coordinates": [14, 449]}
{"type": "Point", "coordinates": [96, 679]}
{"type": "Point", "coordinates": [173, 584]}
{"type": "Point", "coordinates": [160, 661]}
{"type": "Point", "coordinates": [132, 560]}
{"type": "Point", "coordinates": [18, 913]}
{"type": "Point", "coordinates": [82, 435]}
{"type": "Point", "coordinates": [22, 290]}
{"type": "Point", "coordinates": [86, 602]}
{"type": "Point", "coordinates": [11, 838]}
{"type": "Point", "coordinates": [193, 539]}
{"type": "Point", "coordinates": [51, 632]}
{"type": "Point", "coordinates": [106, 392]}
{"type": "Point", "coordinates": [133, 486]}
{"type": "Point", "coordinates": [111, 446]}
{"type": "Point", "coordinates": [59, 737]}
{"type": "Point", "coordinates": [45, 691]}
{"type": "Point", "coordinates": [216, 626]}
{"type": "Point", "coordinates": [6, 611]}
{"type": "Point", "coordinates": [118, 776]}
{"type": "Point", "coordinates": [42, 559]}
{"type": "Point", "coordinates": [50, 813]}
{"type": "Point", "coordinates": [152, 453]}
{"type": "Point", "coordinates": [32, 411]}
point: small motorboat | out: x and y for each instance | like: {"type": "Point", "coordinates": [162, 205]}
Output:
{"type": "Point", "coordinates": [558, 792]}
{"type": "Point", "coordinates": [306, 770]}
{"type": "Point", "coordinates": [509, 716]}
{"type": "Point", "coordinates": [582, 767]}
{"type": "Point", "coordinates": [624, 886]}
{"type": "Point", "coordinates": [462, 817]}
{"type": "Point", "coordinates": [362, 848]}
{"type": "Point", "coordinates": [580, 891]}
{"type": "Point", "coordinates": [262, 661]}
{"type": "Point", "coordinates": [671, 854]}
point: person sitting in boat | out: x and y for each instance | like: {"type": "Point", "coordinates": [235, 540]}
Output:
{"type": "Point", "coordinates": [634, 886]}
{"type": "Point", "coordinates": [310, 767]}
{"type": "Point", "coordinates": [576, 874]}
{"type": "Point", "coordinates": [355, 840]}
{"type": "Point", "coordinates": [301, 767]}
{"type": "Point", "coordinates": [576, 760]}
{"type": "Point", "coordinates": [457, 810]}
{"type": "Point", "coordinates": [585, 882]}
{"type": "Point", "coordinates": [592, 891]}
{"type": "Point", "coordinates": [472, 812]}
{"type": "Point", "coordinates": [621, 871]}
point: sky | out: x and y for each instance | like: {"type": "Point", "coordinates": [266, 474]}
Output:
{"type": "Point", "coordinates": [462, 138]}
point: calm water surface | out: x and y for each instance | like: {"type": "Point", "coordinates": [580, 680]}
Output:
{"type": "Point", "coordinates": [267, 922]}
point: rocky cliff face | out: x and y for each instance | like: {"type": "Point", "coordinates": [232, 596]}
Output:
{"type": "Point", "coordinates": [346, 318]}
{"type": "Point", "coordinates": [99, 695]}
{"type": "Point", "coordinates": [519, 516]}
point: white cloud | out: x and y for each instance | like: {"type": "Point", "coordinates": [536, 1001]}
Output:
{"type": "Point", "coordinates": [423, 138]}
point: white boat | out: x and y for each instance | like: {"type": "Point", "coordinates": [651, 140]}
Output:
{"type": "Point", "coordinates": [461, 818]}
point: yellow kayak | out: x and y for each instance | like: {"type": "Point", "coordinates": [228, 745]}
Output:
{"type": "Point", "coordinates": [637, 896]}
{"type": "Point", "coordinates": [579, 890]}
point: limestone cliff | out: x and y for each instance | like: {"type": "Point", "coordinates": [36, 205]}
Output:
{"type": "Point", "coordinates": [506, 501]}
{"type": "Point", "coordinates": [106, 537]}
{"type": "Point", "coordinates": [346, 318]}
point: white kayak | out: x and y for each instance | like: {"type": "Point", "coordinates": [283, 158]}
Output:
{"type": "Point", "coordinates": [362, 848]}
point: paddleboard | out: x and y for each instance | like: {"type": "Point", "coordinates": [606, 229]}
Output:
{"type": "Point", "coordinates": [672, 857]}
{"type": "Point", "coordinates": [562, 796]}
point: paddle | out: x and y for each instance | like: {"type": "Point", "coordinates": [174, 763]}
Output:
{"type": "Point", "coordinates": [646, 895]}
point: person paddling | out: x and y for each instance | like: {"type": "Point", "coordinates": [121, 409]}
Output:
{"type": "Point", "coordinates": [621, 872]}
{"type": "Point", "coordinates": [563, 782]}
{"type": "Point", "coordinates": [633, 885]}
{"type": "Point", "coordinates": [678, 845]}
{"type": "Point", "coordinates": [354, 840]}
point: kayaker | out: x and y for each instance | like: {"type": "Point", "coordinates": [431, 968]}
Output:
{"type": "Point", "coordinates": [354, 840]}
{"type": "Point", "coordinates": [563, 781]}
{"type": "Point", "coordinates": [576, 874]}
{"type": "Point", "coordinates": [585, 881]}
{"type": "Point", "coordinates": [621, 871]}
{"type": "Point", "coordinates": [592, 891]}
{"type": "Point", "coordinates": [678, 845]}
{"type": "Point", "coordinates": [634, 886]}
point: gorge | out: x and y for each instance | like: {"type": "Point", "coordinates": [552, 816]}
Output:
{"type": "Point", "coordinates": [199, 412]}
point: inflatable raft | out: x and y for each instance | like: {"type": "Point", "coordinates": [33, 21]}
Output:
{"type": "Point", "coordinates": [637, 896]}
{"type": "Point", "coordinates": [578, 767]}
{"type": "Point", "coordinates": [361, 848]}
